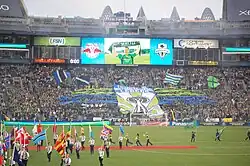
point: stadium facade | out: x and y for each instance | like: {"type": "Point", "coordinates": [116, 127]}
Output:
{"type": "Point", "coordinates": [203, 41]}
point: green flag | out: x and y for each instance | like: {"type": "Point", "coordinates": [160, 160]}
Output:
{"type": "Point", "coordinates": [212, 82]}
{"type": "Point", "coordinates": [122, 82]}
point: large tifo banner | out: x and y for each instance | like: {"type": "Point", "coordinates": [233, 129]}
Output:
{"type": "Point", "coordinates": [127, 51]}
{"type": "Point", "coordinates": [138, 101]}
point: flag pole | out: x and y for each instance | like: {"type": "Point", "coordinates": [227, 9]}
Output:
{"type": "Point", "coordinates": [46, 136]}
{"type": "Point", "coordinates": [124, 6]}
{"type": "Point", "coordinates": [1, 130]}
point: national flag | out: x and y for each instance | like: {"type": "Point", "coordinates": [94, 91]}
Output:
{"type": "Point", "coordinates": [83, 80]}
{"type": "Point", "coordinates": [61, 76]}
{"type": "Point", "coordinates": [212, 82]}
{"type": "Point", "coordinates": [106, 130]}
{"type": "Point", "coordinates": [13, 132]}
{"type": "Point", "coordinates": [60, 147]}
{"type": "Point", "coordinates": [75, 132]}
{"type": "Point", "coordinates": [91, 134]}
{"type": "Point", "coordinates": [1, 160]}
{"type": "Point", "coordinates": [82, 130]}
{"type": "Point", "coordinates": [122, 130]}
{"type": "Point", "coordinates": [54, 128]}
{"type": "Point", "coordinates": [68, 134]}
{"type": "Point", "coordinates": [16, 157]}
{"type": "Point", "coordinates": [23, 136]}
{"type": "Point", "coordinates": [221, 131]}
{"type": "Point", "coordinates": [109, 128]}
{"type": "Point", "coordinates": [7, 141]}
{"type": "Point", "coordinates": [39, 137]}
{"type": "Point", "coordinates": [173, 79]}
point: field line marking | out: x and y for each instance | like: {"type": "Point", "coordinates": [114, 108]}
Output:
{"type": "Point", "coordinates": [191, 154]}
{"type": "Point", "coordinates": [204, 142]}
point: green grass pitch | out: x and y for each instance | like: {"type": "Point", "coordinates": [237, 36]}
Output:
{"type": "Point", "coordinates": [110, 59]}
{"type": "Point", "coordinates": [231, 151]}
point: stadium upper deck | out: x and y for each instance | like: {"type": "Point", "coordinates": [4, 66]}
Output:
{"type": "Point", "coordinates": [14, 20]}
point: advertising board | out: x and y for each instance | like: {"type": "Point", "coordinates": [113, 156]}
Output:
{"type": "Point", "coordinates": [57, 41]}
{"type": "Point", "coordinates": [127, 51]}
{"type": "Point", "coordinates": [50, 61]}
{"type": "Point", "coordinates": [195, 43]}
{"type": "Point", "coordinates": [238, 10]}
{"type": "Point", "coordinates": [161, 52]}
{"type": "Point", "coordinates": [92, 51]}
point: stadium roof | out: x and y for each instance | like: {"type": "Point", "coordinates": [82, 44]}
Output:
{"type": "Point", "coordinates": [207, 14]}
{"type": "Point", "coordinates": [175, 15]}
{"type": "Point", "coordinates": [141, 14]}
{"type": "Point", "coordinates": [13, 9]}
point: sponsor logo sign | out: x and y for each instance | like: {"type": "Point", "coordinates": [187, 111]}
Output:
{"type": "Point", "coordinates": [238, 10]}
{"type": "Point", "coordinates": [238, 124]}
{"type": "Point", "coordinates": [181, 123]}
{"type": "Point", "coordinates": [209, 124]}
{"type": "Point", "coordinates": [4, 7]}
{"type": "Point", "coordinates": [195, 43]}
{"type": "Point", "coordinates": [74, 61]}
{"type": "Point", "coordinates": [214, 120]}
{"type": "Point", "coordinates": [124, 123]}
{"type": "Point", "coordinates": [203, 63]}
{"type": "Point", "coordinates": [162, 50]}
{"type": "Point", "coordinates": [57, 41]}
{"type": "Point", "coordinates": [54, 61]}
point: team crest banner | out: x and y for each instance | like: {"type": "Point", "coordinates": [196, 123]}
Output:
{"type": "Point", "coordinates": [138, 100]}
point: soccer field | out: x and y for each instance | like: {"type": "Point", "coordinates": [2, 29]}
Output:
{"type": "Point", "coordinates": [110, 59]}
{"type": "Point", "coordinates": [231, 151]}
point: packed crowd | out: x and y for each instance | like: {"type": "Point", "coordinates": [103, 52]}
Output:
{"type": "Point", "coordinates": [30, 91]}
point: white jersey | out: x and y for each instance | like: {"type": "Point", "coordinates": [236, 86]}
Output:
{"type": "Point", "coordinates": [24, 155]}
{"type": "Point", "coordinates": [78, 145]}
{"type": "Point", "coordinates": [49, 149]}
{"type": "Point", "coordinates": [83, 138]}
{"type": "Point", "coordinates": [67, 161]}
{"type": "Point", "coordinates": [101, 153]}
{"type": "Point", "coordinates": [71, 142]}
{"type": "Point", "coordinates": [120, 139]}
{"type": "Point", "coordinates": [92, 142]}
{"type": "Point", "coordinates": [55, 136]}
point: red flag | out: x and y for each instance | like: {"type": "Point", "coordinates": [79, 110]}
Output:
{"type": "Point", "coordinates": [1, 160]}
{"type": "Point", "coordinates": [54, 128]}
{"type": "Point", "coordinates": [39, 128]}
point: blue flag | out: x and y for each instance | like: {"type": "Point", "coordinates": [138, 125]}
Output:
{"type": "Point", "coordinates": [122, 129]}
{"type": "Point", "coordinates": [39, 137]}
{"type": "Point", "coordinates": [7, 141]}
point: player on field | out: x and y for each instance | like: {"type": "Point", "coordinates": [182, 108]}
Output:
{"type": "Point", "coordinates": [110, 139]}
{"type": "Point", "coordinates": [248, 135]}
{"type": "Point", "coordinates": [147, 139]}
{"type": "Point", "coordinates": [137, 140]}
{"type": "Point", "coordinates": [101, 155]}
{"type": "Point", "coordinates": [193, 136]}
{"type": "Point", "coordinates": [218, 134]}
{"type": "Point", "coordinates": [127, 140]}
